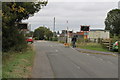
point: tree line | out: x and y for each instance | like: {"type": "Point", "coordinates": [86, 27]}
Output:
{"type": "Point", "coordinates": [43, 33]}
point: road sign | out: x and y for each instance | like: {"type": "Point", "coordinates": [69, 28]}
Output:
{"type": "Point", "coordinates": [84, 28]}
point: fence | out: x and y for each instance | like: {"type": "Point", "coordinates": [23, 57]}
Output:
{"type": "Point", "coordinates": [63, 39]}
{"type": "Point", "coordinates": [107, 43]}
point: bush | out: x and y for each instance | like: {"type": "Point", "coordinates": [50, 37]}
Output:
{"type": "Point", "coordinates": [83, 40]}
{"type": "Point", "coordinates": [55, 39]}
{"type": "Point", "coordinates": [36, 38]}
{"type": "Point", "coordinates": [80, 40]}
{"type": "Point", "coordinates": [13, 40]}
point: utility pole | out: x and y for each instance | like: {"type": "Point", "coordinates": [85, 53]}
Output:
{"type": "Point", "coordinates": [54, 28]}
{"type": "Point", "coordinates": [67, 33]}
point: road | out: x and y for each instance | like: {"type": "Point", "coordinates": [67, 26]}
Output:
{"type": "Point", "coordinates": [53, 60]}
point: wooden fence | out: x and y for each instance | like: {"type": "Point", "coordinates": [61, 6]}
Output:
{"type": "Point", "coordinates": [107, 43]}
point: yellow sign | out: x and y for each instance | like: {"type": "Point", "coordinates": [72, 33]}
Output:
{"type": "Point", "coordinates": [85, 37]}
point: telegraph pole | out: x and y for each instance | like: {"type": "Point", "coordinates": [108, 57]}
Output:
{"type": "Point", "coordinates": [67, 33]}
{"type": "Point", "coordinates": [54, 28]}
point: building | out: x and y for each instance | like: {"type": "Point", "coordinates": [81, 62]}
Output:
{"type": "Point", "coordinates": [65, 36]}
{"type": "Point", "coordinates": [82, 35]}
{"type": "Point", "coordinates": [96, 34]}
{"type": "Point", "coordinates": [93, 35]}
{"type": "Point", "coordinates": [64, 33]}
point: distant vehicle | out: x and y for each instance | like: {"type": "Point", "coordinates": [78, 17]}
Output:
{"type": "Point", "coordinates": [29, 39]}
{"type": "Point", "coordinates": [115, 46]}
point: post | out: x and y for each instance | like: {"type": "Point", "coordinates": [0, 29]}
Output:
{"type": "Point", "coordinates": [119, 46]}
{"type": "Point", "coordinates": [67, 33]}
{"type": "Point", "coordinates": [53, 38]}
{"type": "Point", "coordinates": [54, 28]}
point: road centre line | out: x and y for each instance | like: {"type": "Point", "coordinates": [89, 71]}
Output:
{"type": "Point", "coordinates": [101, 59]}
{"type": "Point", "coordinates": [78, 67]}
{"type": "Point", "coordinates": [56, 50]}
{"type": "Point", "coordinates": [88, 54]}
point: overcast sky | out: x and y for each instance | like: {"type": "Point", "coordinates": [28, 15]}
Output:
{"type": "Point", "coordinates": [77, 12]}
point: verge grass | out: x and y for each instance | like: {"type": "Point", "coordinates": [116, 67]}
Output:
{"type": "Point", "coordinates": [18, 65]}
{"type": "Point", "coordinates": [92, 46]}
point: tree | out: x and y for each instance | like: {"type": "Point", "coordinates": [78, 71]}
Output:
{"type": "Point", "coordinates": [39, 33]}
{"type": "Point", "coordinates": [112, 22]}
{"type": "Point", "coordinates": [42, 33]}
{"type": "Point", "coordinates": [13, 12]}
{"type": "Point", "coordinates": [48, 34]}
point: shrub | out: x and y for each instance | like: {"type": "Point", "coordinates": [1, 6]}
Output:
{"type": "Point", "coordinates": [13, 40]}
{"type": "Point", "coordinates": [55, 39]}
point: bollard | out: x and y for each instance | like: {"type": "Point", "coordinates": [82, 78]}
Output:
{"type": "Point", "coordinates": [119, 46]}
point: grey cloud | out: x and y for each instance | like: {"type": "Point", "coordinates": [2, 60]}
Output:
{"type": "Point", "coordinates": [77, 13]}
{"type": "Point", "coordinates": [84, 0]}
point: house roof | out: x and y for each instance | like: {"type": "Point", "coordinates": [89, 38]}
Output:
{"type": "Point", "coordinates": [98, 30]}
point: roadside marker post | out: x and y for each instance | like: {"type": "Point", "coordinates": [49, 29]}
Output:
{"type": "Point", "coordinates": [119, 46]}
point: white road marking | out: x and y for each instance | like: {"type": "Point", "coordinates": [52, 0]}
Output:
{"type": "Point", "coordinates": [78, 67]}
{"type": "Point", "coordinates": [101, 59]}
{"type": "Point", "coordinates": [56, 50]}
{"type": "Point", "coordinates": [88, 54]}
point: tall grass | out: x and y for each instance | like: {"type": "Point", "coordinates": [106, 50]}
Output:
{"type": "Point", "coordinates": [92, 46]}
{"type": "Point", "coordinates": [18, 65]}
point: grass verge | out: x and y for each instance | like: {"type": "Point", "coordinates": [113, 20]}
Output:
{"type": "Point", "coordinates": [92, 46]}
{"type": "Point", "coordinates": [18, 65]}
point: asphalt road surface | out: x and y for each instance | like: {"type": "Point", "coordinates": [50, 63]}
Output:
{"type": "Point", "coordinates": [53, 60]}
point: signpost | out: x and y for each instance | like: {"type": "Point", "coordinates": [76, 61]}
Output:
{"type": "Point", "coordinates": [22, 27]}
{"type": "Point", "coordinates": [66, 35]}
{"type": "Point", "coordinates": [85, 29]}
